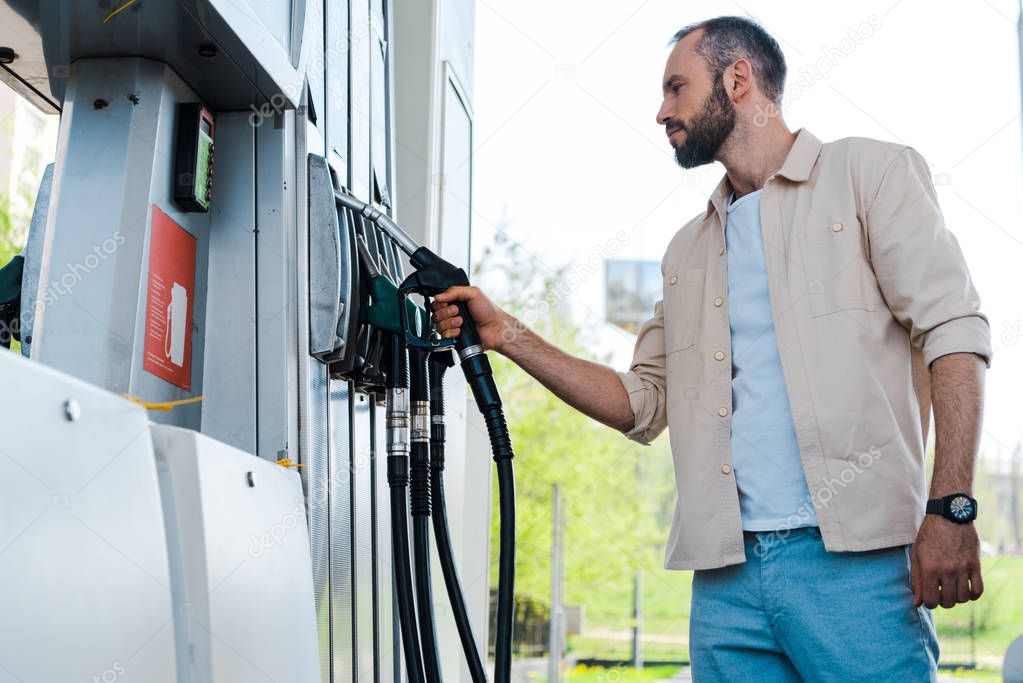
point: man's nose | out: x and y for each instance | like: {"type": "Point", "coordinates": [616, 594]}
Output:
{"type": "Point", "coordinates": [662, 115]}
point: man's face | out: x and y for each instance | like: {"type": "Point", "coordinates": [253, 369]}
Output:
{"type": "Point", "coordinates": [696, 112]}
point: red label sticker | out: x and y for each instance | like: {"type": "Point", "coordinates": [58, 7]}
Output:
{"type": "Point", "coordinates": [168, 349]}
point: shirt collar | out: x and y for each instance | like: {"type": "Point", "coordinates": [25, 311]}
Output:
{"type": "Point", "coordinates": [797, 167]}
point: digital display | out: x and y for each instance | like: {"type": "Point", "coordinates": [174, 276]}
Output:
{"type": "Point", "coordinates": [204, 126]}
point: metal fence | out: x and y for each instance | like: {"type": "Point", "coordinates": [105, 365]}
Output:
{"type": "Point", "coordinates": [532, 626]}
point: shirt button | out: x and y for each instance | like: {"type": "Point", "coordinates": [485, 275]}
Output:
{"type": "Point", "coordinates": [837, 227]}
{"type": "Point", "coordinates": [674, 279]}
{"type": "Point", "coordinates": [722, 411]}
{"type": "Point", "coordinates": [718, 301]}
{"type": "Point", "coordinates": [721, 250]}
{"type": "Point", "coordinates": [719, 355]}
{"type": "Point", "coordinates": [725, 469]}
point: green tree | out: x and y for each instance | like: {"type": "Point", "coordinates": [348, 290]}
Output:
{"type": "Point", "coordinates": [618, 495]}
{"type": "Point", "coordinates": [12, 231]}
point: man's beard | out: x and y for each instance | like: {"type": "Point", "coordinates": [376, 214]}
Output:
{"type": "Point", "coordinates": [708, 131]}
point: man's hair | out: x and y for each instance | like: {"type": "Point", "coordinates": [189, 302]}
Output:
{"type": "Point", "coordinates": [726, 39]}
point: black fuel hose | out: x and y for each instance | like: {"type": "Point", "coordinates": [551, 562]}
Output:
{"type": "Point", "coordinates": [440, 361]}
{"type": "Point", "coordinates": [397, 416]}
{"type": "Point", "coordinates": [421, 504]}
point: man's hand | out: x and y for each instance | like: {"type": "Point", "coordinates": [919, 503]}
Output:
{"type": "Point", "coordinates": [491, 322]}
{"type": "Point", "coordinates": [945, 563]}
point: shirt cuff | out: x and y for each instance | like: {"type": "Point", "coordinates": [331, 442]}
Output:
{"type": "Point", "coordinates": [970, 334]}
{"type": "Point", "coordinates": [636, 390]}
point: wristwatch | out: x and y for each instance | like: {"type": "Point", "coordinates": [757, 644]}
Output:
{"type": "Point", "coordinates": [958, 507]}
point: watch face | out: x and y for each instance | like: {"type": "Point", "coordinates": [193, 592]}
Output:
{"type": "Point", "coordinates": [961, 508]}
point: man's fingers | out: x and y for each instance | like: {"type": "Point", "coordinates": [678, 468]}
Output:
{"type": "Point", "coordinates": [444, 311]}
{"type": "Point", "coordinates": [976, 583]}
{"type": "Point", "coordinates": [930, 588]}
{"type": "Point", "coordinates": [459, 293]}
{"type": "Point", "coordinates": [963, 587]}
{"type": "Point", "coordinates": [449, 324]}
{"type": "Point", "coordinates": [948, 592]}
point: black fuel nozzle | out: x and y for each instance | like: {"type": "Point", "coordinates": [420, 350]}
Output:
{"type": "Point", "coordinates": [434, 275]}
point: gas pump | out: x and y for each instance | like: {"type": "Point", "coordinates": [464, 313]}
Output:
{"type": "Point", "coordinates": [188, 250]}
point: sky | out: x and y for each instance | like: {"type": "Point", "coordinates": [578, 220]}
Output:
{"type": "Point", "coordinates": [571, 165]}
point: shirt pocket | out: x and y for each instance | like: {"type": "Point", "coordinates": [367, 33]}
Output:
{"type": "Point", "coordinates": [835, 265]}
{"type": "Point", "coordinates": [683, 300]}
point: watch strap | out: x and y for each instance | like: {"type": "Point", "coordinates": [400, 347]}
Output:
{"type": "Point", "coordinates": [942, 506]}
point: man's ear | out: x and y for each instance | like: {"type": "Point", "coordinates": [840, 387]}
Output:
{"type": "Point", "coordinates": [739, 79]}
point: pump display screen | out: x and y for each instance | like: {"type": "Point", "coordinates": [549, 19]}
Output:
{"type": "Point", "coordinates": [193, 161]}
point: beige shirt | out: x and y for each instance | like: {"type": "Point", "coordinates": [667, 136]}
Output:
{"type": "Point", "coordinates": [867, 288]}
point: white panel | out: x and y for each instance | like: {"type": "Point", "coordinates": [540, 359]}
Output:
{"type": "Point", "coordinates": [359, 89]}
{"type": "Point", "coordinates": [85, 588]}
{"type": "Point", "coordinates": [456, 196]}
{"type": "Point", "coordinates": [416, 118]}
{"type": "Point", "coordinates": [241, 553]}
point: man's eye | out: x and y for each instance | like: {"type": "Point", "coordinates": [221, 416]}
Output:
{"type": "Point", "coordinates": [676, 87]}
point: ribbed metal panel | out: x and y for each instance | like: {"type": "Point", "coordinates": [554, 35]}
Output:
{"type": "Point", "coordinates": [316, 478]}
{"type": "Point", "coordinates": [365, 664]}
{"type": "Point", "coordinates": [341, 575]}
{"type": "Point", "coordinates": [389, 645]}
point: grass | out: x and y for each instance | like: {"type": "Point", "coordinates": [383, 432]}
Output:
{"type": "Point", "coordinates": [989, 675]}
{"type": "Point", "coordinates": [585, 647]}
{"type": "Point", "coordinates": [997, 619]}
{"type": "Point", "coordinates": [618, 674]}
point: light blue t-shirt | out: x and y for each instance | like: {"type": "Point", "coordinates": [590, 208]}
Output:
{"type": "Point", "coordinates": [765, 455]}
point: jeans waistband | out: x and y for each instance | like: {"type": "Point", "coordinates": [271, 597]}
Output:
{"type": "Point", "coordinates": [782, 533]}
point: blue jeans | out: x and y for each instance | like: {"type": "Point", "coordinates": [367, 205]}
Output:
{"type": "Point", "coordinates": [794, 612]}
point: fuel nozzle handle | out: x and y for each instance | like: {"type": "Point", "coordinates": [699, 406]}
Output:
{"type": "Point", "coordinates": [434, 275]}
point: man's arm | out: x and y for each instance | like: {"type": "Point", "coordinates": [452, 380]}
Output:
{"type": "Point", "coordinates": [591, 388]}
{"type": "Point", "coordinates": [925, 281]}
{"type": "Point", "coordinates": [947, 554]}
{"type": "Point", "coordinates": [588, 387]}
